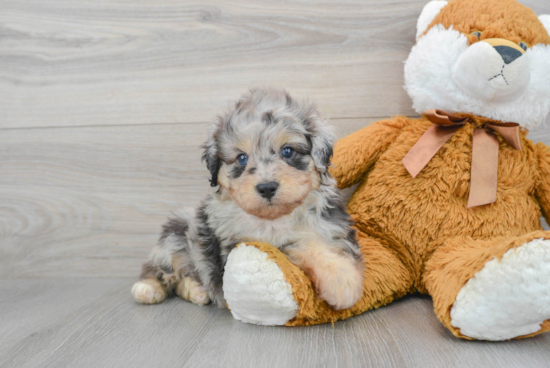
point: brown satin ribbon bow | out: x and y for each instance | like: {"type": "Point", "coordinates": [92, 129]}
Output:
{"type": "Point", "coordinates": [485, 146]}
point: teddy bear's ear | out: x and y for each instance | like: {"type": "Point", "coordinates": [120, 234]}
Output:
{"type": "Point", "coordinates": [428, 14]}
{"type": "Point", "coordinates": [545, 19]}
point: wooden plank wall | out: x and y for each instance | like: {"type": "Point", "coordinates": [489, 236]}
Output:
{"type": "Point", "coordinates": [104, 103]}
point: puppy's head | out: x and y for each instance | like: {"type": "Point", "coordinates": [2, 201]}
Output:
{"type": "Point", "coordinates": [268, 152]}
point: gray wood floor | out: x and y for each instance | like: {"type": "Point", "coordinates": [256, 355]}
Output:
{"type": "Point", "coordinates": [103, 106]}
{"type": "Point", "coordinates": [96, 323]}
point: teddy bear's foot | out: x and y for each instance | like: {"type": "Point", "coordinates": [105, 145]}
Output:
{"type": "Point", "coordinates": [255, 288]}
{"type": "Point", "coordinates": [507, 298]}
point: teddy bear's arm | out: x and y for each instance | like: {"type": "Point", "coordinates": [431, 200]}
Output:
{"type": "Point", "coordinates": [355, 154]}
{"type": "Point", "coordinates": [543, 189]}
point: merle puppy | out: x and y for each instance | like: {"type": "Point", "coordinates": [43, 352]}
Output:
{"type": "Point", "coordinates": [268, 156]}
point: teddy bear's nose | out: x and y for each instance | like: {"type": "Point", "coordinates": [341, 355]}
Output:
{"type": "Point", "coordinates": [508, 50]}
{"type": "Point", "coordinates": [508, 54]}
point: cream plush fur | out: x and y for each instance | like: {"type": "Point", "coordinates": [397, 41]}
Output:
{"type": "Point", "coordinates": [431, 71]}
{"type": "Point", "coordinates": [491, 306]}
{"type": "Point", "coordinates": [256, 288]}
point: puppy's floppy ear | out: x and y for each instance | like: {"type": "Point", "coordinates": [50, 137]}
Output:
{"type": "Point", "coordinates": [429, 12]}
{"type": "Point", "coordinates": [210, 154]}
{"type": "Point", "coordinates": [322, 139]}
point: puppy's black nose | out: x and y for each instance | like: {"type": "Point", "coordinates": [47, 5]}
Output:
{"type": "Point", "coordinates": [507, 53]}
{"type": "Point", "coordinates": [267, 190]}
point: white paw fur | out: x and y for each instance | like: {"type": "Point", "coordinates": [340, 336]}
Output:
{"type": "Point", "coordinates": [255, 288]}
{"type": "Point", "coordinates": [507, 298]}
{"type": "Point", "coordinates": [146, 293]}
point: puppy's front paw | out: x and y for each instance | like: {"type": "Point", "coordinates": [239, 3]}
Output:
{"type": "Point", "coordinates": [340, 283]}
{"type": "Point", "coordinates": [148, 292]}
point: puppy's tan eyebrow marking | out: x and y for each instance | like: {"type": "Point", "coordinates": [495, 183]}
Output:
{"type": "Point", "coordinates": [245, 145]}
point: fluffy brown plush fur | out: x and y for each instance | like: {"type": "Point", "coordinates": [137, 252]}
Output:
{"type": "Point", "coordinates": [506, 19]}
{"type": "Point", "coordinates": [423, 225]}
{"type": "Point", "coordinates": [417, 234]}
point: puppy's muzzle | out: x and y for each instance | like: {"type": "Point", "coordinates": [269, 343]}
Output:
{"type": "Point", "coordinates": [267, 190]}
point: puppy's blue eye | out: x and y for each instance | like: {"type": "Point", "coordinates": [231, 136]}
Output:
{"type": "Point", "coordinates": [523, 45]}
{"type": "Point", "coordinates": [242, 159]}
{"type": "Point", "coordinates": [287, 152]}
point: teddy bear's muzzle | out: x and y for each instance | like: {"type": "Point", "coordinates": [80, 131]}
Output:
{"type": "Point", "coordinates": [493, 70]}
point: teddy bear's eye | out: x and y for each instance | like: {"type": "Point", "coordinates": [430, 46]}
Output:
{"type": "Point", "coordinates": [477, 34]}
{"type": "Point", "coordinates": [523, 45]}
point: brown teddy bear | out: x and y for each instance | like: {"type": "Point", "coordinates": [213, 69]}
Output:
{"type": "Point", "coordinates": [448, 204]}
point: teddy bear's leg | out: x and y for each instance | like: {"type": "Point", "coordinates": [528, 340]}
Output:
{"type": "Point", "coordinates": [388, 271]}
{"type": "Point", "coordinates": [496, 289]}
{"type": "Point", "coordinates": [262, 286]}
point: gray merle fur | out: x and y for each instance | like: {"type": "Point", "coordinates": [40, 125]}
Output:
{"type": "Point", "coordinates": [211, 249]}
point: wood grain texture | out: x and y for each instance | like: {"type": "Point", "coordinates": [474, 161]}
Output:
{"type": "Point", "coordinates": [91, 201]}
{"type": "Point", "coordinates": [103, 106]}
{"type": "Point", "coordinates": [134, 62]}
{"type": "Point", "coordinates": [67, 63]}
{"type": "Point", "coordinates": [96, 323]}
